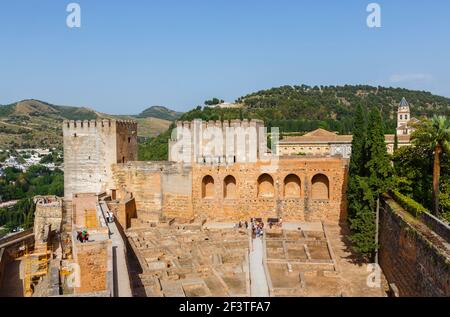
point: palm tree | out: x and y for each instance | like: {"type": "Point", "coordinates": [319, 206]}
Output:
{"type": "Point", "coordinates": [436, 135]}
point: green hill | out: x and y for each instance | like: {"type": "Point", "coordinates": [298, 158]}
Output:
{"type": "Point", "coordinates": [305, 108]}
{"type": "Point", "coordinates": [160, 113]}
{"type": "Point", "coordinates": [33, 123]}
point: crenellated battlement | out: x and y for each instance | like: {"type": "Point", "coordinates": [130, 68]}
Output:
{"type": "Point", "coordinates": [104, 123]}
{"type": "Point", "coordinates": [221, 124]}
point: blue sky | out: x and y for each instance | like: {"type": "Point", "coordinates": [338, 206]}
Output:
{"type": "Point", "coordinates": [129, 55]}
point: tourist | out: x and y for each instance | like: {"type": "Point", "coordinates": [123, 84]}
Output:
{"type": "Point", "coordinates": [79, 237]}
{"type": "Point", "coordinates": [84, 236]}
{"type": "Point", "coordinates": [246, 224]}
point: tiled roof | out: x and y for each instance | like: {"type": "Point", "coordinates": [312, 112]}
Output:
{"type": "Point", "coordinates": [324, 136]}
{"type": "Point", "coordinates": [318, 136]}
{"type": "Point", "coordinates": [404, 103]}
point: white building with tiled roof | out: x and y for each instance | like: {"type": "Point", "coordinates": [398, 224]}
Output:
{"type": "Point", "coordinates": [321, 142]}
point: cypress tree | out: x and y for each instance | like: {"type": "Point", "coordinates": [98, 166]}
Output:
{"type": "Point", "coordinates": [395, 142]}
{"type": "Point", "coordinates": [357, 162]}
{"type": "Point", "coordinates": [374, 179]}
{"type": "Point", "coordinates": [378, 165]}
{"type": "Point", "coordinates": [358, 143]}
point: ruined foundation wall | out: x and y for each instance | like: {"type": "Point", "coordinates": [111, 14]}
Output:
{"type": "Point", "coordinates": [417, 266]}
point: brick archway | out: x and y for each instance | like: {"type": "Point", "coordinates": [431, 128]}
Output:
{"type": "Point", "coordinates": [266, 186]}
{"type": "Point", "coordinates": [229, 187]}
{"type": "Point", "coordinates": [208, 187]}
{"type": "Point", "coordinates": [292, 186]}
{"type": "Point", "coordinates": [320, 187]}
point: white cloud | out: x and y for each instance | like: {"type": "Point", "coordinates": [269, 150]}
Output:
{"type": "Point", "coordinates": [401, 78]}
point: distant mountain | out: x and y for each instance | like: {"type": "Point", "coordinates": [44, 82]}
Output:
{"type": "Point", "coordinates": [34, 123]}
{"type": "Point", "coordinates": [160, 113]}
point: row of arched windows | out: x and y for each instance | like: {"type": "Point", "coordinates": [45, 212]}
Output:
{"type": "Point", "coordinates": [320, 187]}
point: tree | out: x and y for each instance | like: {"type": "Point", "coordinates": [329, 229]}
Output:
{"type": "Point", "coordinates": [395, 141]}
{"type": "Point", "coordinates": [358, 143]}
{"type": "Point", "coordinates": [378, 165]}
{"type": "Point", "coordinates": [213, 102]}
{"type": "Point", "coordinates": [435, 134]}
{"type": "Point", "coordinates": [365, 185]}
{"type": "Point", "coordinates": [356, 163]}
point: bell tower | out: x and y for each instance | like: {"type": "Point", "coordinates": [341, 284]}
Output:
{"type": "Point", "coordinates": [403, 114]}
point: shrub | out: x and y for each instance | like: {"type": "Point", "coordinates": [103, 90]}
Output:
{"type": "Point", "coordinates": [409, 204]}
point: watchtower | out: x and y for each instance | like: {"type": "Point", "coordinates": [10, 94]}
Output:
{"type": "Point", "coordinates": [91, 148]}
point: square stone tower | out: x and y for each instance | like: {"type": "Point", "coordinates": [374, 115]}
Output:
{"type": "Point", "coordinates": [90, 150]}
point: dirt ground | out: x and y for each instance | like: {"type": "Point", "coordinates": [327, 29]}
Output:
{"type": "Point", "coordinates": [352, 271]}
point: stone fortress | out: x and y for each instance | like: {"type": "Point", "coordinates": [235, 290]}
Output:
{"type": "Point", "coordinates": [101, 156]}
{"type": "Point", "coordinates": [179, 216]}
{"type": "Point", "coordinates": [175, 231]}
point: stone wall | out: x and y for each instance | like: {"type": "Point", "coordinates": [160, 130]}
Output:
{"type": "Point", "coordinates": [174, 190]}
{"type": "Point", "coordinates": [95, 262]}
{"type": "Point", "coordinates": [83, 203]}
{"type": "Point", "coordinates": [124, 211]}
{"type": "Point", "coordinates": [156, 186]}
{"type": "Point", "coordinates": [4, 260]}
{"type": "Point", "coordinates": [411, 256]}
{"type": "Point", "coordinates": [192, 141]}
{"type": "Point", "coordinates": [249, 202]}
{"type": "Point", "coordinates": [90, 148]}
{"type": "Point", "coordinates": [49, 211]}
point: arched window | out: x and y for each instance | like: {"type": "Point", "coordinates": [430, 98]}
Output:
{"type": "Point", "coordinates": [292, 186]}
{"type": "Point", "coordinates": [265, 186]}
{"type": "Point", "coordinates": [229, 187]}
{"type": "Point", "coordinates": [208, 187]}
{"type": "Point", "coordinates": [320, 187]}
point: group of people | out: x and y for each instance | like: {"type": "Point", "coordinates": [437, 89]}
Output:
{"type": "Point", "coordinates": [257, 225]}
{"type": "Point", "coordinates": [257, 228]}
{"type": "Point", "coordinates": [278, 223]}
{"type": "Point", "coordinates": [83, 236]}
{"type": "Point", "coordinates": [240, 225]}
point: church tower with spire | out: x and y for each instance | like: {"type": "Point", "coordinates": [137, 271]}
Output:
{"type": "Point", "coordinates": [403, 113]}
{"type": "Point", "coordinates": [404, 119]}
